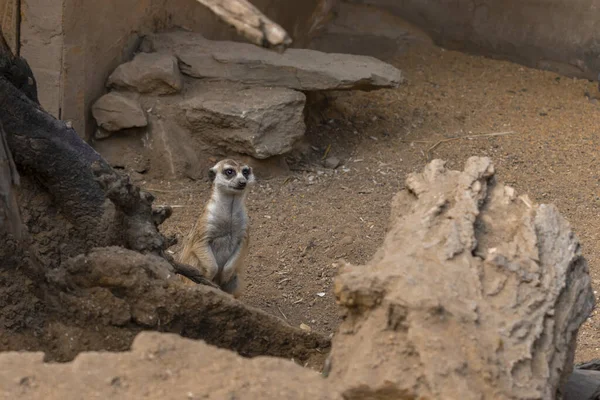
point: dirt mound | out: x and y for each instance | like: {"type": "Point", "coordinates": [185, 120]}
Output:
{"type": "Point", "coordinates": [475, 293]}
{"type": "Point", "coordinates": [104, 298]}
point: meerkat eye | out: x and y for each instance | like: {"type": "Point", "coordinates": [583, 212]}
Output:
{"type": "Point", "coordinates": [246, 172]}
{"type": "Point", "coordinates": [229, 172]}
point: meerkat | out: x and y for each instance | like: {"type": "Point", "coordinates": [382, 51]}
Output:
{"type": "Point", "coordinates": [218, 242]}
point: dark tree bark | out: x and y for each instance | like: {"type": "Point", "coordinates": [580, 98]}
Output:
{"type": "Point", "coordinates": [10, 216]}
{"type": "Point", "coordinates": [98, 206]}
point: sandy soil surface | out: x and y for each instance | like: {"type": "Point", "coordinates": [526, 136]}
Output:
{"type": "Point", "coordinates": [539, 129]}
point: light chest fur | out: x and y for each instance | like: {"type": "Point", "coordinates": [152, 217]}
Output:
{"type": "Point", "coordinates": [226, 223]}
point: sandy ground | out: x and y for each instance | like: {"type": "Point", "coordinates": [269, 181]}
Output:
{"type": "Point", "coordinates": [544, 143]}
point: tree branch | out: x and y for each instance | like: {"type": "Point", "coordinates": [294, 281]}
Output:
{"type": "Point", "coordinates": [78, 178]}
{"type": "Point", "coordinates": [17, 71]}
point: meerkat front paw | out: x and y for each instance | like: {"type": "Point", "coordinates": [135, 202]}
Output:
{"type": "Point", "coordinates": [232, 286]}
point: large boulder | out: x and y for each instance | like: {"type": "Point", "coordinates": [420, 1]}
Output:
{"type": "Point", "coordinates": [300, 69]}
{"type": "Point", "coordinates": [148, 73]}
{"type": "Point", "coordinates": [477, 293]}
{"type": "Point", "coordinates": [258, 121]}
{"type": "Point", "coordinates": [114, 112]}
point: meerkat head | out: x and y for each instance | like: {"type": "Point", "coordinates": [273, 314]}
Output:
{"type": "Point", "coordinates": [231, 176]}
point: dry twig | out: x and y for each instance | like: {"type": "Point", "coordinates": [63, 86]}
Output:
{"type": "Point", "coordinates": [436, 144]}
{"type": "Point", "coordinates": [284, 316]}
{"type": "Point", "coordinates": [326, 152]}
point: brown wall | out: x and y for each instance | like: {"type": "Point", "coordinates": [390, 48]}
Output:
{"type": "Point", "coordinates": [559, 35]}
{"type": "Point", "coordinates": [41, 44]}
{"type": "Point", "coordinates": [73, 45]}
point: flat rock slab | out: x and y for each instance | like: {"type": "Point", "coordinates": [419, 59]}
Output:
{"type": "Point", "coordinates": [258, 121]}
{"type": "Point", "coordinates": [148, 73]}
{"type": "Point", "coordinates": [114, 112]}
{"type": "Point", "coordinates": [300, 69]}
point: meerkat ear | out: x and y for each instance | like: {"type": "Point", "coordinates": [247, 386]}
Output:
{"type": "Point", "coordinates": [212, 174]}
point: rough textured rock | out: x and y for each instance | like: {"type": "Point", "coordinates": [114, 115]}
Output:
{"type": "Point", "coordinates": [114, 112]}
{"type": "Point", "coordinates": [475, 294]}
{"type": "Point", "coordinates": [164, 149]}
{"type": "Point", "coordinates": [148, 73]}
{"type": "Point", "coordinates": [159, 366]}
{"type": "Point", "coordinates": [300, 69]}
{"type": "Point", "coordinates": [209, 119]}
{"type": "Point", "coordinates": [129, 151]}
{"type": "Point", "coordinates": [261, 122]}
{"type": "Point", "coordinates": [170, 148]}
{"type": "Point", "coordinates": [102, 134]}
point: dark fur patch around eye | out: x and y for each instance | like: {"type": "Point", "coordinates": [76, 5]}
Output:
{"type": "Point", "coordinates": [212, 174]}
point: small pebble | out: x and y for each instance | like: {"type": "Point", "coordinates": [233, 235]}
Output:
{"type": "Point", "coordinates": [332, 162]}
{"type": "Point", "coordinates": [101, 134]}
{"type": "Point", "coordinates": [346, 240]}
